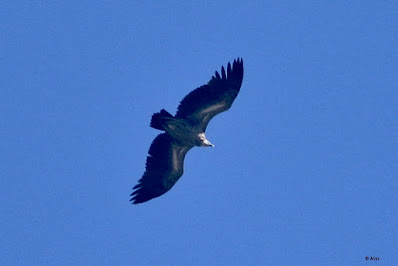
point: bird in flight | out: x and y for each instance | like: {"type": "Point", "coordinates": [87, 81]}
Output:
{"type": "Point", "coordinates": [165, 162]}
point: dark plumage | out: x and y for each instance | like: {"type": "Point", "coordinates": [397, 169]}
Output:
{"type": "Point", "coordinates": [165, 162]}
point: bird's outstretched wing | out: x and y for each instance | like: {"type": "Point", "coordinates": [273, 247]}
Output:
{"type": "Point", "coordinates": [164, 166]}
{"type": "Point", "coordinates": [217, 96]}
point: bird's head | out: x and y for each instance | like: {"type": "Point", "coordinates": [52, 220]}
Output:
{"type": "Point", "coordinates": [203, 142]}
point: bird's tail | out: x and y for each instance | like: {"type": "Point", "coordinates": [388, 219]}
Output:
{"type": "Point", "coordinates": [158, 120]}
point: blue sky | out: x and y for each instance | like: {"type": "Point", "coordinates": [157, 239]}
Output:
{"type": "Point", "coordinates": [305, 165]}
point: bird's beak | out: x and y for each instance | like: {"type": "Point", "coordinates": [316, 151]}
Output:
{"type": "Point", "coordinates": [208, 144]}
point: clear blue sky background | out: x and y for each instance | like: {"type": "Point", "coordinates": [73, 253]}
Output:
{"type": "Point", "coordinates": [305, 165]}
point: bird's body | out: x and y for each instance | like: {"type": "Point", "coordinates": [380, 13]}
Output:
{"type": "Point", "coordinates": [182, 131]}
{"type": "Point", "coordinates": [165, 163]}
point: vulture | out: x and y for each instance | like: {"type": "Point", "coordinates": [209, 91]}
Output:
{"type": "Point", "coordinates": [185, 130]}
